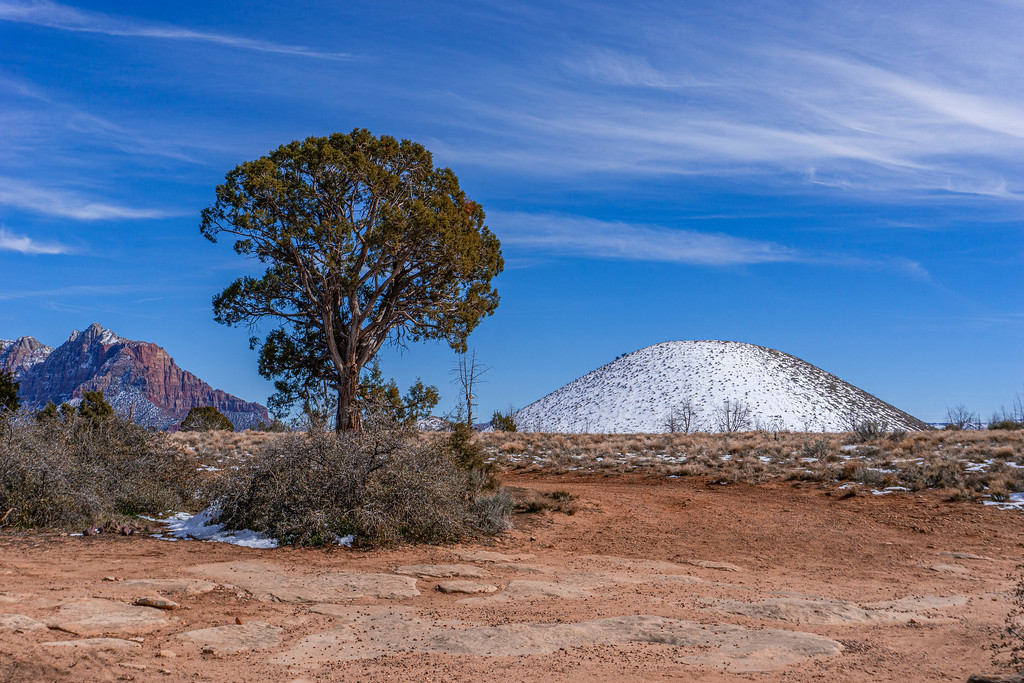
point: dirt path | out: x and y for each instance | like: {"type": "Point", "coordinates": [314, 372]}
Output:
{"type": "Point", "coordinates": [650, 579]}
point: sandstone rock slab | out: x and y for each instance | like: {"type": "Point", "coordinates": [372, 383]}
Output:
{"type": "Point", "coordinates": [822, 612]}
{"type": "Point", "coordinates": [181, 588]}
{"type": "Point", "coordinates": [645, 565]}
{"type": "Point", "coordinates": [19, 623]}
{"type": "Point", "coordinates": [443, 571]}
{"type": "Point", "coordinates": [720, 646]}
{"type": "Point", "coordinates": [100, 617]}
{"type": "Point", "coordinates": [959, 555]}
{"type": "Point", "coordinates": [92, 644]}
{"type": "Point", "coordinates": [490, 556]}
{"type": "Point", "coordinates": [521, 590]}
{"type": "Point", "coordinates": [950, 569]}
{"type": "Point", "coordinates": [466, 587]}
{"type": "Point", "coordinates": [233, 638]}
{"type": "Point", "coordinates": [270, 582]}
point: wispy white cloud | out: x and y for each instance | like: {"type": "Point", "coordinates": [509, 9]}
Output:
{"type": "Point", "coordinates": [26, 245]}
{"type": "Point", "coordinates": [66, 18]}
{"type": "Point", "coordinates": [567, 235]}
{"type": "Point", "coordinates": [68, 204]}
{"type": "Point", "coordinates": [890, 101]}
{"type": "Point", "coordinates": [618, 68]}
{"type": "Point", "coordinates": [71, 291]}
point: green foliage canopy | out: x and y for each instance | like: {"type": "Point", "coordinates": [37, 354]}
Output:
{"type": "Point", "coordinates": [206, 419]}
{"type": "Point", "coordinates": [9, 393]}
{"type": "Point", "coordinates": [95, 408]}
{"type": "Point", "coordinates": [365, 242]}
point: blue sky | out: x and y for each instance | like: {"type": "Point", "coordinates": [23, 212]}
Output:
{"type": "Point", "coordinates": [843, 183]}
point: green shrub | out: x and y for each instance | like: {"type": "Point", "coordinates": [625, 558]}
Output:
{"type": "Point", "coordinates": [206, 419]}
{"type": "Point", "coordinates": [1006, 424]}
{"type": "Point", "coordinates": [503, 422]}
{"type": "Point", "coordinates": [9, 402]}
{"type": "Point", "coordinates": [383, 486]}
{"type": "Point", "coordinates": [68, 471]}
{"type": "Point", "coordinates": [95, 408]}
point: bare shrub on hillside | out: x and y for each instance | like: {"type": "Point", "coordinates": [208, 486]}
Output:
{"type": "Point", "coordinates": [732, 416]}
{"type": "Point", "coordinates": [681, 418]}
{"type": "Point", "coordinates": [68, 470]}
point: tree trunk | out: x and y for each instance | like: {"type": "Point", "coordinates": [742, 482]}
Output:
{"type": "Point", "coordinates": [350, 418]}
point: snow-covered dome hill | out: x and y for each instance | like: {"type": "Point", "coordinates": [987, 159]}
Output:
{"type": "Point", "coordinates": [708, 386]}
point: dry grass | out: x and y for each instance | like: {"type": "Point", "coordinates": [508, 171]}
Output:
{"type": "Point", "coordinates": [219, 450]}
{"type": "Point", "coordinates": [970, 464]}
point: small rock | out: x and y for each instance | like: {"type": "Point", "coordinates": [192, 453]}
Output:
{"type": "Point", "coordinates": [442, 571]}
{"type": "Point", "coordinates": [167, 654]}
{"type": "Point", "coordinates": [134, 667]}
{"type": "Point", "coordinates": [966, 556]}
{"type": "Point", "coordinates": [110, 578]}
{"type": "Point", "coordinates": [93, 644]}
{"type": "Point", "coordinates": [156, 601]}
{"type": "Point", "coordinates": [137, 639]}
{"type": "Point", "coordinates": [950, 569]}
{"type": "Point", "coordinates": [721, 566]}
{"type": "Point", "coordinates": [466, 587]}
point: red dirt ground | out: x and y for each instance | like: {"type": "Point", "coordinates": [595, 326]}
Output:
{"type": "Point", "coordinates": [789, 541]}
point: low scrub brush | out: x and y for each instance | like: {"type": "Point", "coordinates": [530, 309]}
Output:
{"type": "Point", "coordinates": [68, 470]}
{"type": "Point", "coordinates": [382, 487]}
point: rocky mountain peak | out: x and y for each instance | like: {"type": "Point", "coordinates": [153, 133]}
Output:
{"type": "Point", "coordinates": [21, 354]}
{"type": "Point", "coordinates": [94, 333]}
{"type": "Point", "coordinates": [140, 379]}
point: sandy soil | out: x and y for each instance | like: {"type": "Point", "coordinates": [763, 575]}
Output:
{"type": "Point", "coordinates": [651, 579]}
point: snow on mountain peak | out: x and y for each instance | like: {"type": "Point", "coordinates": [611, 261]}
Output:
{"type": "Point", "coordinates": [697, 383]}
{"type": "Point", "coordinates": [94, 333]}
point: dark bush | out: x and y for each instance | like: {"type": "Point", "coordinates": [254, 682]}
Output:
{"type": "Point", "coordinates": [382, 486]}
{"type": "Point", "coordinates": [67, 471]}
{"type": "Point", "coordinates": [206, 419]}
{"type": "Point", "coordinates": [503, 422]}
{"type": "Point", "coordinates": [1007, 425]}
{"type": "Point", "coordinates": [9, 402]}
{"type": "Point", "coordinates": [95, 408]}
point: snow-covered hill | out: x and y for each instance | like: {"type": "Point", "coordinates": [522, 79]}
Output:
{"type": "Point", "coordinates": [694, 385]}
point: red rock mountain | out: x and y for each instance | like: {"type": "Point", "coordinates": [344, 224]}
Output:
{"type": "Point", "coordinates": [140, 379]}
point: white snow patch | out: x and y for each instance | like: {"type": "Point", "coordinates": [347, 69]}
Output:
{"type": "Point", "coordinates": [202, 527]}
{"type": "Point", "coordinates": [1015, 502]}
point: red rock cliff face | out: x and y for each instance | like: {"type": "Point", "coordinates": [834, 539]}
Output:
{"type": "Point", "coordinates": [139, 379]}
{"type": "Point", "coordinates": [20, 355]}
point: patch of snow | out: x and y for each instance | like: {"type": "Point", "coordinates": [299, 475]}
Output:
{"type": "Point", "coordinates": [889, 489]}
{"type": "Point", "coordinates": [202, 527]}
{"type": "Point", "coordinates": [1015, 502]}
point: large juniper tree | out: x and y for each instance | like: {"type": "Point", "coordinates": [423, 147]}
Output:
{"type": "Point", "coordinates": [364, 242]}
